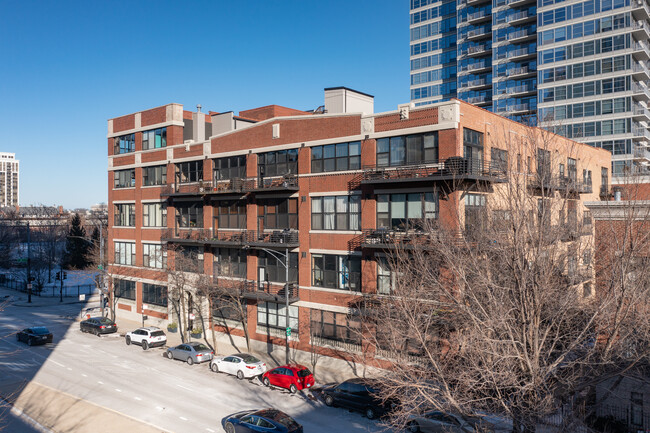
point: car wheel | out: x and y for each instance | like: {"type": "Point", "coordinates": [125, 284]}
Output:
{"type": "Point", "coordinates": [413, 427]}
{"type": "Point", "coordinates": [30, 342]}
{"type": "Point", "coordinates": [128, 340]}
{"type": "Point", "coordinates": [145, 345]}
{"type": "Point", "coordinates": [170, 355]}
{"type": "Point", "coordinates": [190, 360]}
{"type": "Point", "coordinates": [266, 381]}
{"type": "Point", "coordinates": [293, 389]}
{"type": "Point", "coordinates": [230, 428]}
{"type": "Point", "coordinates": [96, 332]}
{"type": "Point", "coordinates": [370, 413]}
{"type": "Point", "coordinates": [240, 375]}
{"type": "Point", "coordinates": [214, 367]}
{"type": "Point", "coordinates": [329, 400]}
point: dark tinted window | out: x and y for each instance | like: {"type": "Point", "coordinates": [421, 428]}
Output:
{"type": "Point", "coordinates": [157, 334]}
{"type": "Point", "coordinates": [283, 418]}
{"type": "Point", "coordinates": [199, 346]}
{"type": "Point", "coordinates": [288, 372]}
{"type": "Point", "coordinates": [344, 387]}
{"type": "Point", "coordinates": [247, 419]}
{"type": "Point", "coordinates": [264, 423]}
{"type": "Point", "coordinates": [304, 373]}
{"type": "Point", "coordinates": [40, 330]}
{"type": "Point", "coordinates": [250, 359]}
{"type": "Point", "coordinates": [105, 321]}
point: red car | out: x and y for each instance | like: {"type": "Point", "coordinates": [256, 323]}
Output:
{"type": "Point", "coordinates": [292, 377]}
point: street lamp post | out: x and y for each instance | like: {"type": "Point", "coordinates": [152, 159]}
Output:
{"type": "Point", "coordinates": [284, 263]}
{"type": "Point", "coordinates": [29, 267]}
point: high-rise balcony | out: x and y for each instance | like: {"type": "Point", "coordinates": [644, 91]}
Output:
{"type": "Point", "coordinates": [640, 50]}
{"type": "Point", "coordinates": [478, 17]}
{"type": "Point", "coordinates": [518, 3]}
{"type": "Point", "coordinates": [477, 84]}
{"type": "Point", "coordinates": [640, 132]}
{"type": "Point", "coordinates": [640, 71]}
{"type": "Point", "coordinates": [521, 54]}
{"type": "Point", "coordinates": [237, 186]}
{"type": "Point", "coordinates": [477, 50]}
{"type": "Point", "coordinates": [481, 66]}
{"type": "Point", "coordinates": [521, 90]}
{"type": "Point", "coordinates": [473, 2]}
{"type": "Point", "coordinates": [519, 72]}
{"type": "Point", "coordinates": [479, 33]}
{"type": "Point", "coordinates": [563, 184]}
{"type": "Point", "coordinates": [456, 168]}
{"type": "Point", "coordinates": [642, 155]}
{"type": "Point", "coordinates": [519, 18]}
{"type": "Point", "coordinates": [640, 91]}
{"type": "Point", "coordinates": [521, 36]}
{"type": "Point", "coordinates": [641, 30]}
{"type": "Point", "coordinates": [640, 113]}
{"type": "Point", "coordinates": [477, 100]}
{"type": "Point", "coordinates": [640, 10]}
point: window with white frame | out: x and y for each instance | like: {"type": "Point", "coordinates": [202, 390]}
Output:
{"type": "Point", "coordinates": [341, 212]}
{"type": "Point", "coordinates": [124, 253]}
{"type": "Point", "coordinates": [154, 256]}
{"type": "Point", "coordinates": [154, 215]}
{"type": "Point", "coordinates": [273, 315]}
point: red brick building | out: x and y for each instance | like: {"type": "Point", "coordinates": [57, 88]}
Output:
{"type": "Point", "coordinates": [334, 189]}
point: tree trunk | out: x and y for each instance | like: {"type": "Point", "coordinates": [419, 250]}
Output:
{"type": "Point", "coordinates": [181, 317]}
{"type": "Point", "coordinates": [212, 331]}
{"type": "Point", "coordinates": [244, 323]}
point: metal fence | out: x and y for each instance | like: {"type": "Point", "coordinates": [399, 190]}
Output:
{"type": "Point", "coordinates": [8, 282]}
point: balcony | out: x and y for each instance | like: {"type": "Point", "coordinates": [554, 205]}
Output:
{"type": "Point", "coordinates": [475, 84]}
{"type": "Point", "coordinates": [477, 50]}
{"type": "Point", "coordinates": [451, 169]}
{"type": "Point", "coordinates": [258, 290]}
{"type": "Point", "coordinates": [642, 155]}
{"type": "Point", "coordinates": [641, 113]}
{"type": "Point", "coordinates": [563, 184]}
{"type": "Point", "coordinates": [521, 90]}
{"type": "Point", "coordinates": [520, 54]}
{"type": "Point", "coordinates": [640, 10]}
{"type": "Point", "coordinates": [382, 238]}
{"type": "Point", "coordinates": [640, 50]}
{"type": "Point", "coordinates": [641, 30]}
{"type": "Point", "coordinates": [479, 16]}
{"type": "Point", "coordinates": [640, 91]}
{"type": "Point", "coordinates": [640, 71]}
{"type": "Point", "coordinates": [237, 186]}
{"type": "Point", "coordinates": [520, 36]}
{"type": "Point", "coordinates": [640, 133]}
{"type": "Point", "coordinates": [475, 2]}
{"type": "Point", "coordinates": [517, 3]}
{"type": "Point", "coordinates": [480, 33]}
{"type": "Point", "coordinates": [519, 72]}
{"type": "Point", "coordinates": [479, 101]}
{"type": "Point", "coordinates": [274, 239]}
{"type": "Point", "coordinates": [519, 18]}
{"type": "Point", "coordinates": [477, 67]}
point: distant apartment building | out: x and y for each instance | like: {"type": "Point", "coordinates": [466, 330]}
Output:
{"type": "Point", "coordinates": [9, 178]}
{"type": "Point", "coordinates": [329, 194]}
{"type": "Point", "coordinates": [580, 68]}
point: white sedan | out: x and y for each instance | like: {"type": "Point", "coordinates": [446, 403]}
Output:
{"type": "Point", "coordinates": [242, 365]}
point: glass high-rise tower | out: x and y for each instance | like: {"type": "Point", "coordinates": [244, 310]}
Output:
{"type": "Point", "coordinates": [580, 67]}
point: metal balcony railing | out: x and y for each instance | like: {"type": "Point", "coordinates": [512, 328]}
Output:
{"type": "Point", "coordinates": [456, 167]}
{"type": "Point", "coordinates": [520, 52]}
{"type": "Point", "coordinates": [640, 110]}
{"type": "Point", "coordinates": [474, 83]}
{"type": "Point", "coordinates": [287, 182]}
{"type": "Point", "coordinates": [638, 88]}
{"type": "Point", "coordinates": [485, 30]}
{"type": "Point", "coordinates": [477, 99]}
{"type": "Point", "coordinates": [642, 153]}
{"type": "Point", "coordinates": [286, 238]}
{"type": "Point", "coordinates": [261, 290]}
{"type": "Point", "coordinates": [477, 15]}
{"type": "Point", "coordinates": [517, 16]}
{"type": "Point", "coordinates": [565, 184]}
{"type": "Point", "coordinates": [640, 131]}
{"type": "Point", "coordinates": [519, 34]}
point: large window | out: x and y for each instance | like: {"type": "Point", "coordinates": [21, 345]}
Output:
{"type": "Point", "coordinates": [475, 213]}
{"type": "Point", "coordinates": [341, 212]}
{"type": "Point", "coordinates": [154, 294]}
{"type": "Point", "coordinates": [336, 157]}
{"type": "Point", "coordinates": [124, 215]}
{"type": "Point", "coordinates": [124, 178]}
{"type": "Point", "coordinates": [336, 326]}
{"type": "Point", "coordinates": [273, 315]}
{"type": "Point", "coordinates": [189, 259]}
{"type": "Point", "coordinates": [124, 144]}
{"type": "Point", "coordinates": [189, 215]}
{"type": "Point", "coordinates": [406, 211]}
{"type": "Point", "coordinates": [191, 171]}
{"type": "Point", "coordinates": [125, 253]}
{"type": "Point", "coordinates": [336, 272]}
{"type": "Point", "coordinates": [124, 289]}
{"type": "Point", "coordinates": [385, 276]}
{"type": "Point", "coordinates": [473, 146]}
{"type": "Point", "coordinates": [271, 269]}
{"type": "Point", "coordinates": [230, 262]}
{"type": "Point", "coordinates": [227, 308]}
{"type": "Point", "coordinates": [154, 215]}
{"type": "Point", "coordinates": [156, 175]}
{"type": "Point", "coordinates": [230, 168]}
{"type": "Point", "coordinates": [499, 159]}
{"type": "Point", "coordinates": [232, 214]}
{"type": "Point", "coordinates": [154, 139]}
{"type": "Point", "coordinates": [154, 256]}
{"type": "Point", "coordinates": [279, 213]}
{"type": "Point", "coordinates": [411, 149]}
{"type": "Point", "coordinates": [278, 163]}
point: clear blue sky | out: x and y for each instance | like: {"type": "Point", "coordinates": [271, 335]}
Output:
{"type": "Point", "coordinates": [68, 66]}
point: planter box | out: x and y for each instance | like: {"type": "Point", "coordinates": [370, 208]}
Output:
{"type": "Point", "coordinates": [196, 335]}
{"type": "Point", "coordinates": [172, 330]}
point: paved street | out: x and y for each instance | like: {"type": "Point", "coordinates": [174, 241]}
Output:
{"type": "Point", "coordinates": [142, 385]}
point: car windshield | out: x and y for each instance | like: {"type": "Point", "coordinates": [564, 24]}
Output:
{"type": "Point", "coordinates": [105, 321]}
{"type": "Point", "coordinates": [199, 347]}
{"type": "Point", "coordinates": [40, 330]}
{"type": "Point", "coordinates": [250, 359]}
{"type": "Point", "coordinates": [157, 334]}
{"type": "Point", "coordinates": [304, 373]}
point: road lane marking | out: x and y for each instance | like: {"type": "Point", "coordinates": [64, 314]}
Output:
{"type": "Point", "coordinates": [183, 418]}
{"type": "Point", "coordinates": [160, 408]}
{"type": "Point", "coordinates": [184, 387]}
{"type": "Point", "coordinates": [118, 390]}
{"type": "Point", "coordinates": [84, 374]}
{"type": "Point", "coordinates": [100, 382]}
{"type": "Point", "coordinates": [137, 398]}
{"type": "Point", "coordinates": [210, 430]}
{"type": "Point", "coordinates": [57, 363]}
{"type": "Point", "coordinates": [69, 369]}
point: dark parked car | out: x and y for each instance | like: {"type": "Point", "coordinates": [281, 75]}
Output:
{"type": "Point", "coordinates": [190, 353]}
{"type": "Point", "coordinates": [265, 420]}
{"type": "Point", "coordinates": [98, 326]}
{"type": "Point", "coordinates": [293, 377]}
{"type": "Point", "coordinates": [35, 335]}
{"type": "Point", "coordinates": [357, 394]}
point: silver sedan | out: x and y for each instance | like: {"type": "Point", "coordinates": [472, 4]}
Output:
{"type": "Point", "coordinates": [190, 353]}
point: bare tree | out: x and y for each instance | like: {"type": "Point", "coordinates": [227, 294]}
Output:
{"type": "Point", "coordinates": [492, 309]}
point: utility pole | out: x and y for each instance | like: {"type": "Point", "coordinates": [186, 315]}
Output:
{"type": "Point", "coordinates": [101, 266]}
{"type": "Point", "coordinates": [286, 301]}
{"type": "Point", "coordinates": [29, 267]}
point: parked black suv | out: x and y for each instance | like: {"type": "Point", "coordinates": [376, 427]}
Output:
{"type": "Point", "coordinates": [361, 395]}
